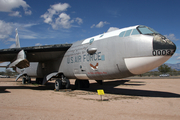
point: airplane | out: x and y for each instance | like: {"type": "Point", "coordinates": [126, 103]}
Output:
{"type": "Point", "coordinates": [117, 54]}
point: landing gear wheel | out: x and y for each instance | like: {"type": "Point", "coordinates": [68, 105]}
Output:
{"type": "Point", "coordinates": [86, 83]}
{"type": "Point", "coordinates": [62, 83]}
{"type": "Point", "coordinates": [67, 84]}
{"type": "Point", "coordinates": [23, 80]}
{"type": "Point", "coordinates": [39, 80]}
{"type": "Point", "coordinates": [58, 84]}
{"type": "Point", "coordinates": [28, 79]}
{"type": "Point", "coordinates": [79, 84]}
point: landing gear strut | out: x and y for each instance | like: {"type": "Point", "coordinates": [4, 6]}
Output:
{"type": "Point", "coordinates": [79, 84]}
{"type": "Point", "coordinates": [26, 79]}
{"type": "Point", "coordinates": [62, 83]}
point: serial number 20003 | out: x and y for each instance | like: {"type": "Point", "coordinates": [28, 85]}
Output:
{"type": "Point", "coordinates": [162, 52]}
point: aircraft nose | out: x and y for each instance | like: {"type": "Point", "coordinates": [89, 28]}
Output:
{"type": "Point", "coordinates": [162, 43]}
{"type": "Point", "coordinates": [163, 49]}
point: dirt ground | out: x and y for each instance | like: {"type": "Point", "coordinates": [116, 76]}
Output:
{"type": "Point", "coordinates": [127, 99]}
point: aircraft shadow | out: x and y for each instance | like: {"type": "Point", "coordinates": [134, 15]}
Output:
{"type": "Point", "coordinates": [34, 86]}
{"type": "Point", "coordinates": [108, 87]}
{"type": "Point", "coordinates": [3, 90]}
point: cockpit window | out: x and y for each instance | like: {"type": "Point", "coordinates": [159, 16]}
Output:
{"type": "Point", "coordinates": [146, 30]}
{"type": "Point", "coordinates": [134, 32]}
{"type": "Point", "coordinates": [121, 34]}
{"type": "Point", "coordinates": [101, 35]}
{"type": "Point", "coordinates": [128, 32]}
{"type": "Point", "coordinates": [139, 30]}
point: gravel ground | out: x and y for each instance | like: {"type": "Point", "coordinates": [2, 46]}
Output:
{"type": "Point", "coordinates": [128, 99]}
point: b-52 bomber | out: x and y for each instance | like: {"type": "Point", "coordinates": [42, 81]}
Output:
{"type": "Point", "coordinates": [113, 55]}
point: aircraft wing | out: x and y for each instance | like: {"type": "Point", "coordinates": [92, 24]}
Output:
{"type": "Point", "coordinates": [20, 57]}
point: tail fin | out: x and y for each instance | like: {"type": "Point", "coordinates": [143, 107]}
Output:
{"type": "Point", "coordinates": [17, 39]}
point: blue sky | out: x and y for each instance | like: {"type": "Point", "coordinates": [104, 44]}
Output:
{"type": "Point", "coordinates": [48, 22]}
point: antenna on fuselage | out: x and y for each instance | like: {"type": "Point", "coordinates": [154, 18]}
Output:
{"type": "Point", "coordinates": [17, 39]}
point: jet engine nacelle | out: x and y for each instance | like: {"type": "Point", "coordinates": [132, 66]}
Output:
{"type": "Point", "coordinates": [34, 70]}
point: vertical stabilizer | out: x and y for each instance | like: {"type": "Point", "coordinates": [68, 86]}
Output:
{"type": "Point", "coordinates": [17, 39]}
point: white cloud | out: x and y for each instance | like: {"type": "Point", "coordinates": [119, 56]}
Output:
{"type": "Point", "coordinates": [28, 12]}
{"type": "Point", "coordinates": [9, 5]}
{"type": "Point", "coordinates": [171, 37]}
{"type": "Point", "coordinates": [57, 18]}
{"type": "Point", "coordinates": [11, 39]}
{"type": "Point", "coordinates": [93, 26]}
{"type": "Point", "coordinates": [63, 21]}
{"type": "Point", "coordinates": [100, 24]}
{"type": "Point", "coordinates": [24, 33]}
{"type": "Point", "coordinates": [114, 13]}
{"type": "Point", "coordinates": [112, 29]}
{"type": "Point", "coordinates": [178, 58]}
{"type": "Point", "coordinates": [13, 46]}
{"type": "Point", "coordinates": [176, 54]}
{"type": "Point", "coordinates": [5, 30]}
{"type": "Point", "coordinates": [16, 13]}
{"type": "Point", "coordinates": [38, 44]}
{"type": "Point", "coordinates": [19, 25]}
{"type": "Point", "coordinates": [28, 36]}
{"type": "Point", "coordinates": [79, 20]}
{"type": "Point", "coordinates": [60, 7]}
{"type": "Point", "coordinates": [28, 25]}
{"type": "Point", "coordinates": [54, 10]}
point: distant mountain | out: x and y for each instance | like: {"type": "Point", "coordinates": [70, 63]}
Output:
{"type": "Point", "coordinates": [173, 66]}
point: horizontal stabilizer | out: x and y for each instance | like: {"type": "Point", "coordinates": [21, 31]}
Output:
{"type": "Point", "coordinates": [20, 62]}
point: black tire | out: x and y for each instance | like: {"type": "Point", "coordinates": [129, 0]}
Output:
{"type": "Point", "coordinates": [79, 84]}
{"type": "Point", "coordinates": [39, 80]}
{"type": "Point", "coordinates": [86, 83]}
{"type": "Point", "coordinates": [58, 84]}
{"type": "Point", "coordinates": [28, 79]}
{"type": "Point", "coordinates": [67, 86]}
{"type": "Point", "coordinates": [23, 80]}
